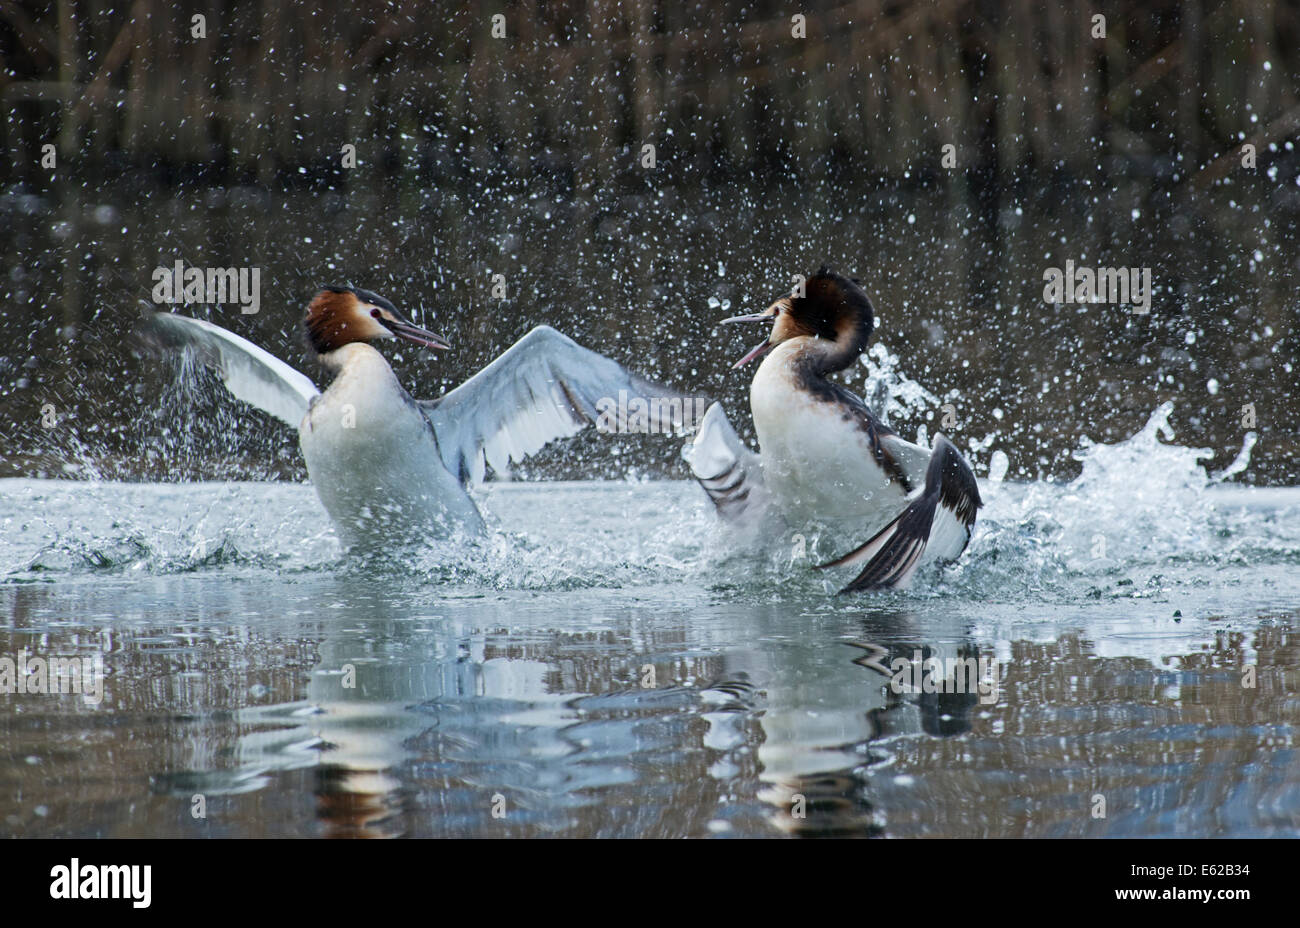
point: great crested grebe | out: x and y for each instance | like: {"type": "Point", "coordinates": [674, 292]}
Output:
{"type": "Point", "coordinates": [390, 468]}
{"type": "Point", "coordinates": [825, 458]}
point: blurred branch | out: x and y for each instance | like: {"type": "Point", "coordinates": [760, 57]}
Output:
{"type": "Point", "coordinates": [1285, 125]}
{"type": "Point", "coordinates": [37, 40]}
{"type": "Point", "coordinates": [116, 56]}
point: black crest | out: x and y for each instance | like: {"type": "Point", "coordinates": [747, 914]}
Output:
{"type": "Point", "coordinates": [835, 308]}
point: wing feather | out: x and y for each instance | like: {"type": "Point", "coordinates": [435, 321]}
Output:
{"type": "Point", "coordinates": [249, 373]}
{"type": "Point", "coordinates": [938, 520]}
{"type": "Point", "coordinates": [545, 386]}
{"type": "Point", "coordinates": [730, 473]}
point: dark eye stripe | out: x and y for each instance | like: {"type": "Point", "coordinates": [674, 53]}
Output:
{"type": "Point", "coordinates": [374, 299]}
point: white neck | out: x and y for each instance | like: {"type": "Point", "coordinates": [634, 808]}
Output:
{"type": "Point", "coordinates": [349, 355]}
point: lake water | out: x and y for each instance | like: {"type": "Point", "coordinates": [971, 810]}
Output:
{"type": "Point", "coordinates": [612, 663]}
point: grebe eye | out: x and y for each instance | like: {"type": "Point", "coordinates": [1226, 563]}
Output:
{"type": "Point", "coordinates": [374, 314]}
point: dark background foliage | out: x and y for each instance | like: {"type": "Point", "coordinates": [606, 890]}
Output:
{"type": "Point", "coordinates": [522, 155]}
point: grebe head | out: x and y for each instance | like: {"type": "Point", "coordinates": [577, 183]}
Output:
{"type": "Point", "coordinates": [339, 316]}
{"type": "Point", "coordinates": [833, 310]}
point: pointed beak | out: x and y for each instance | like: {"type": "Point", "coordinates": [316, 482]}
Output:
{"type": "Point", "coordinates": [761, 348]}
{"type": "Point", "coordinates": [415, 334]}
{"type": "Point", "coordinates": [765, 345]}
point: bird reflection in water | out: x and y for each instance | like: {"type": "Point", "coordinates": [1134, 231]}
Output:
{"type": "Point", "coordinates": [839, 802]}
{"type": "Point", "coordinates": [357, 803]}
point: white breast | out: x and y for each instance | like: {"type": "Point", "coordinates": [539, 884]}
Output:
{"type": "Point", "coordinates": [817, 461]}
{"type": "Point", "coordinates": [374, 461]}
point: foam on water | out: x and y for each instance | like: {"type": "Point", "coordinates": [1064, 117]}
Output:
{"type": "Point", "coordinates": [1143, 518]}
{"type": "Point", "coordinates": [1142, 511]}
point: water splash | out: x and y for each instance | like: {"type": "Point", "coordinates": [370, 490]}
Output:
{"type": "Point", "coordinates": [1142, 512]}
{"type": "Point", "coordinates": [891, 393]}
{"type": "Point", "coordinates": [1142, 519]}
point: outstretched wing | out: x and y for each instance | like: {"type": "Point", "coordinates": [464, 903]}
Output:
{"type": "Point", "coordinates": [938, 520]}
{"type": "Point", "coordinates": [545, 386]}
{"type": "Point", "coordinates": [730, 473]}
{"type": "Point", "coordinates": [248, 372]}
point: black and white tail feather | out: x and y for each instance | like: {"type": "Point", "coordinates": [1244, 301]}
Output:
{"type": "Point", "coordinates": [937, 520]}
{"type": "Point", "coordinates": [730, 473]}
{"type": "Point", "coordinates": [935, 524]}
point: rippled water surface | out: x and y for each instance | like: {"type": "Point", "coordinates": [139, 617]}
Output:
{"type": "Point", "coordinates": [612, 663]}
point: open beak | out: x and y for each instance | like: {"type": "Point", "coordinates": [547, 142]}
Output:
{"type": "Point", "coordinates": [415, 334]}
{"type": "Point", "coordinates": [762, 347]}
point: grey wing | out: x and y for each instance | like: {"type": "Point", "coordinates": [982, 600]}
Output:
{"type": "Point", "coordinates": [730, 473]}
{"type": "Point", "coordinates": [545, 386]}
{"type": "Point", "coordinates": [249, 373]}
